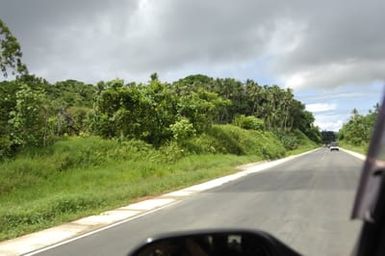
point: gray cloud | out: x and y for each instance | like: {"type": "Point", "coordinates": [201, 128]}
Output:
{"type": "Point", "coordinates": [342, 44]}
{"type": "Point", "coordinates": [67, 39]}
{"type": "Point", "coordinates": [322, 43]}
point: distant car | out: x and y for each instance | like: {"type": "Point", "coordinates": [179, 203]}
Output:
{"type": "Point", "coordinates": [334, 147]}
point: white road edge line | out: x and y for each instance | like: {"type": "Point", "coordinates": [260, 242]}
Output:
{"type": "Point", "coordinates": [355, 154]}
{"type": "Point", "coordinates": [96, 231]}
{"type": "Point", "coordinates": [151, 205]}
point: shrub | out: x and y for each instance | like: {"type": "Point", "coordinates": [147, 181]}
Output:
{"type": "Point", "coordinates": [202, 144]}
{"type": "Point", "coordinates": [29, 118]}
{"type": "Point", "coordinates": [95, 151]}
{"type": "Point", "coordinates": [249, 122]}
{"type": "Point", "coordinates": [169, 153]}
{"type": "Point", "coordinates": [5, 147]}
{"type": "Point", "coordinates": [288, 140]}
{"type": "Point", "coordinates": [230, 139]}
{"type": "Point", "coordinates": [182, 129]}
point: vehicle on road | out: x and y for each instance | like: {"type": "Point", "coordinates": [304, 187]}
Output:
{"type": "Point", "coordinates": [369, 206]}
{"type": "Point", "coordinates": [334, 146]}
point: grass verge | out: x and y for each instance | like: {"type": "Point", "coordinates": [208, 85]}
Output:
{"type": "Point", "coordinates": [363, 149]}
{"type": "Point", "coordinates": [83, 191]}
{"type": "Point", "coordinates": [78, 176]}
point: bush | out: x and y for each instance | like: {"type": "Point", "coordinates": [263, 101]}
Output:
{"type": "Point", "coordinates": [74, 152]}
{"type": "Point", "coordinates": [249, 122]}
{"type": "Point", "coordinates": [29, 118]}
{"type": "Point", "coordinates": [6, 149]}
{"type": "Point", "coordinates": [95, 151]}
{"type": "Point", "coordinates": [169, 153]}
{"type": "Point", "coordinates": [288, 140]}
{"type": "Point", "coordinates": [182, 129]}
{"type": "Point", "coordinates": [201, 144]}
{"type": "Point", "coordinates": [230, 139]}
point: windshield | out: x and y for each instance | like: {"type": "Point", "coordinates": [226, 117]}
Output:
{"type": "Point", "coordinates": [124, 119]}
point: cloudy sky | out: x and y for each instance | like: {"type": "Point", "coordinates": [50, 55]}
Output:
{"type": "Point", "coordinates": [332, 53]}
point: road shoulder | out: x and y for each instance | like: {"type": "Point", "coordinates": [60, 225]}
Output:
{"type": "Point", "coordinates": [355, 154]}
{"type": "Point", "coordinates": [52, 237]}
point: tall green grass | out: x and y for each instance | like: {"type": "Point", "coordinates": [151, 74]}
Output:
{"type": "Point", "coordinates": [363, 148]}
{"type": "Point", "coordinates": [80, 176]}
{"type": "Point", "coordinates": [230, 139]}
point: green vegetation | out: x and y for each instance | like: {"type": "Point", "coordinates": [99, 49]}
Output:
{"type": "Point", "coordinates": [363, 148]}
{"type": "Point", "coordinates": [35, 113]}
{"type": "Point", "coordinates": [77, 176]}
{"type": "Point", "coordinates": [356, 133]}
{"type": "Point", "coordinates": [68, 149]}
{"type": "Point", "coordinates": [328, 136]}
{"type": "Point", "coordinates": [249, 122]}
{"type": "Point", "coordinates": [10, 52]}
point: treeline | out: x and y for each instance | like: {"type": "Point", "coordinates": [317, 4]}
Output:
{"type": "Point", "coordinates": [358, 130]}
{"type": "Point", "coordinates": [34, 112]}
{"type": "Point", "coordinates": [328, 136]}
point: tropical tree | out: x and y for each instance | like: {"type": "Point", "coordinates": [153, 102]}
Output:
{"type": "Point", "coordinates": [29, 119]}
{"type": "Point", "coordinates": [358, 129]}
{"type": "Point", "coordinates": [10, 53]}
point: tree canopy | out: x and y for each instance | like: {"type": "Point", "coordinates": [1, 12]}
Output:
{"type": "Point", "coordinates": [328, 136]}
{"type": "Point", "coordinates": [35, 112]}
{"type": "Point", "coordinates": [10, 53]}
{"type": "Point", "coordinates": [358, 129]}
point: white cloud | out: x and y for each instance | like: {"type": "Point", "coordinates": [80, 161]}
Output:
{"type": "Point", "coordinates": [329, 122]}
{"type": "Point", "coordinates": [320, 107]}
{"type": "Point", "coordinates": [331, 75]}
{"type": "Point", "coordinates": [294, 81]}
{"type": "Point", "coordinates": [329, 126]}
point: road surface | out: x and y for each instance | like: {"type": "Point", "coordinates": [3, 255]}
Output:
{"type": "Point", "coordinates": [305, 203]}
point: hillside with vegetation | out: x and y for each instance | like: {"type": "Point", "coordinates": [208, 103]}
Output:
{"type": "Point", "coordinates": [69, 148]}
{"type": "Point", "coordinates": [356, 133]}
{"type": "Point", "coordinates": [36, 113]}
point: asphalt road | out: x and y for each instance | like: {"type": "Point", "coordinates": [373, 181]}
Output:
{"type": "Point", "coordinates": [305, 203]}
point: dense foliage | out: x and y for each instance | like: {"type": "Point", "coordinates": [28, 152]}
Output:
{"type": "Point", "coordinates": [10, 53]}
{"type": "Point", "coordinates": [84, 148]}
{"type": "Point", "coordinates": [35, 112]}
{"type": "Point", "coordinates": [358, 130]}
{"type": "Point", "coordinates": [78, 176]}
{"type": "Point", "coordinates": [328, 136]}
{"type": "Point", "coordinates": [154, 112]}
{"type": "Point", "coordinates": [272, 104]}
